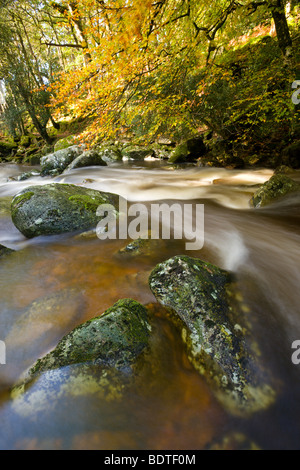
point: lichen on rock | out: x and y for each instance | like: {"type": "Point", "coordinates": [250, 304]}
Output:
{"type": "Point", "coordinates": [113, 339]}
{"type": "Point", "coordinates": [201, 297]}
{"type": "Point", "coordinates": [58, 208]}
{"type": "Point", "coordinates": [277, 187]}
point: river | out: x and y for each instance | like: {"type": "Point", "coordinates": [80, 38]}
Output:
{"type": "Point", "coordinates": [177, 410]}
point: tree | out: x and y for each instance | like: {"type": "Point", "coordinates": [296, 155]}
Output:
{"type": "Point", "coordinates": [24, 71]}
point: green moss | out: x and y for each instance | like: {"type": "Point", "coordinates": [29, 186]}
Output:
{"type": "Point", "coordinates": [180, 153]}
{"type": "Point", "coordinates": [204, 297]}
{"type": "Point", "coordinates": [19, 200]}
{"type": "Point", "coordinates": [114, 339]}
{"type": "Point", "coordinates": [85, 201]}
{"type": "Point", "coordinates": [276, 188]}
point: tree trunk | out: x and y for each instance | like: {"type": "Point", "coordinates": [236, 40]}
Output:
{"type": "Point", "coordinates": [277, 8]}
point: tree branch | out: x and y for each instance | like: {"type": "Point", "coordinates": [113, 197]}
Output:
{"type": "Point", "coordinates": [76, 46]}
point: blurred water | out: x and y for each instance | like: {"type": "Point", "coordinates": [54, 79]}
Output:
{"type": "Point", "coordinates": [260, 246]}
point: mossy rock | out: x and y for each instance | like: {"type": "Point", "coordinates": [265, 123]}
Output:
{"type": "Point", "coordinates": [114, 339]}
{"type": "Point", "coordinates": [6, 148]}
{"type": "Point", "coordinates": [276, 188]}
{"type": "Point", "coordinates": [58, 208]}
{"type": "Point", "coordinates": [57, 162]}
{"type": "Point", "coordinates": [100, 358]}
{"type": "Point", "coordinates": [202, 299]}
{"type": "Point", "coordinates": [25, 141]}
{"type": "Point", "coordinates": [87, 158]}
{"type": "Point", "coordinates": [65, 143]}
{"type": "Point", "coordinates": [137, 153]}
{"type": "Point", "coordinates": [109, 153]}
{"type": "Point", "coordinates": [188, 151]}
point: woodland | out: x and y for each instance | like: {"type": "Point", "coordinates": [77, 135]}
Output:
{"type": "Point", "coordinates": [109, 70]}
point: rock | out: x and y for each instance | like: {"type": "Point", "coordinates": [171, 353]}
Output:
{"type": "Point", "coordinates": [201, 296]}
{"type": "Point", "coordinates": [87, 158]}
{"type": "Point", "coordinates": [114, 339]}
{"type": "Point", "coordinates": [100, 359]}
{"type": "Point", "coordinates": [291, 155]}
{"type": "Point", "coordinates": [110, 153]}
{"type": "Point", "coordinates": [61, 391]}
{"type": "Point", "coordinates": [137, 153]}
{"type": "Point", "coordinates": [283, 170]}
{"type": "Point", "coordinates": [64, 143]}
{"type": "Point", "coordinates": [188, 151]}
{"type": "Point", "coordinates": [33, 159]}
{"type": "Point", "coordinates": [165, 141]}
{"type": "Point", "coordinates": [28, 174]}
{"type": "Point", "coordinates": [5, 251]}
{"type": "Point", "coordinates": [6, 148]}
{"type": "Point", "coordinates": [57, 208]}
{"type": "Point", "coordinates": [58, 161]}
{"type": "Point", "coordinates": [277, 187]}
{"type": "Point", "coordinates": [141, 247]}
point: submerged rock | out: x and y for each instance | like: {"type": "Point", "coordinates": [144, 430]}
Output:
{"type": "Point", "coordinates": [202, 297]}
{"type": "Point", "coordinates": [58, 208]}
{"type": "Point", "coordinates": [114, 339]}
{"type": "Point", "coordinates": [141, 247]}
{"type": "Point", "coordinates": [97, 357]}
{"type": "Point", "coordinates": [277, 187]}
{"type": "Point", "coordinates": [5, 251]}
{"type": "Point", "coordinates": [57, 162]}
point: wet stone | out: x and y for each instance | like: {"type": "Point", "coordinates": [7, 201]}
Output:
{"type": "Point", "coordinates": [202, 299]}
{"type": "Point", "coordinates": [58, 208]}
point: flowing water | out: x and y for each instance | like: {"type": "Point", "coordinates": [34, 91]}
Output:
{"type": "Point", "coordinates": [174, 409]}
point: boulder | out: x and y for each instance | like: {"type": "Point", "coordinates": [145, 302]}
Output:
{"type": "Point", "coordinates": [114, 339]}
{"type": "Point", "coordinates": [188, 151]}
{"type": "Point", "coordinates": [58, 208]}
{"type": "Point", "coordinates": [109, 153]}
{"type": "Point", "coordinates": [87, 158]}
{"type": "Point", "coordinates": [98, 358]}
{"type": "Point", "coordinates": [201, 297]}
{"type": "Point", "coordinates": [57, 162]}
{"type": "Point", "coordinates": [137, 153]}
{"type": "Point", "coordinates": [277, 187]}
